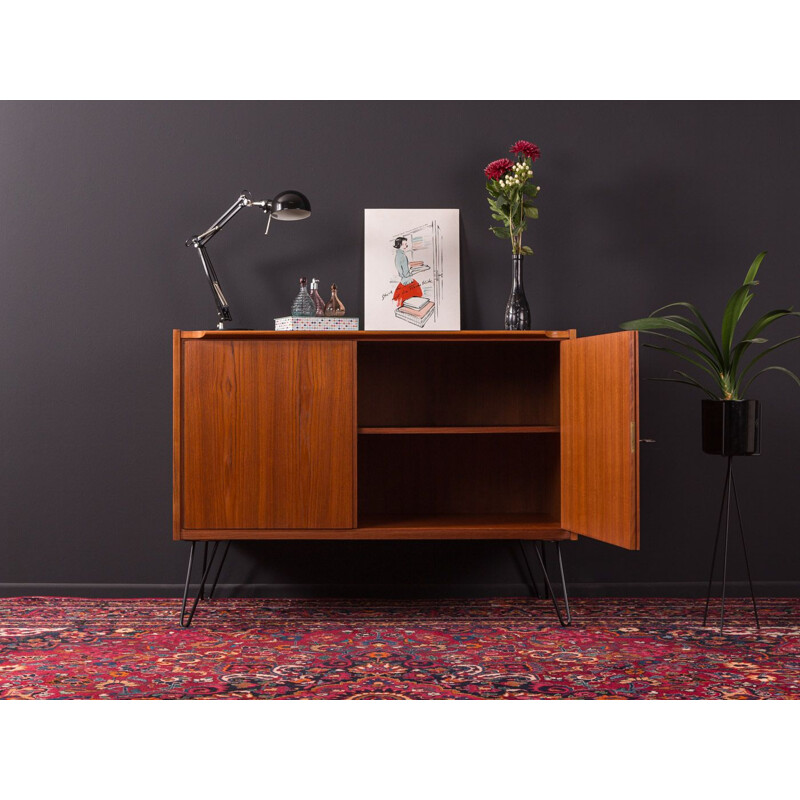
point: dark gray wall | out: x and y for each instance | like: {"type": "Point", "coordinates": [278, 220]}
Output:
{"type": "Point", "coordinates": [641, 204]}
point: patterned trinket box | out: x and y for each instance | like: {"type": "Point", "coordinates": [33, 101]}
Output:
{"type": "Point", "coordinates": [316, 323]}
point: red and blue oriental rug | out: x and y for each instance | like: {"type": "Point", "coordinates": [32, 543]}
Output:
{"type": "Point", "coordinates": [64, 648]}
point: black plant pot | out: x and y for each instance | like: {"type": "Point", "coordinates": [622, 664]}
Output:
{"type": "Point", "coordinates": [732, 427]}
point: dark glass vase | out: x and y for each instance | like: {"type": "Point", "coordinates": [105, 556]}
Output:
{"type": "Point", "coordinates": [732, 427]}
{"type": "Point", "coordinates": [518, 314]}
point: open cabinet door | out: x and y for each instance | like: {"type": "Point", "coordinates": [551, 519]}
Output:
{"type": "Point", "coordinates": [600, 437]}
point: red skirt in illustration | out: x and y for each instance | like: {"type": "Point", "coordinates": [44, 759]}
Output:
{"type": "Point", "coordinates": [404, 291]}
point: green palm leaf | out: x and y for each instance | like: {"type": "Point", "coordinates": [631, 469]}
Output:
{"type": "Point", "coordinates": [711, 342]}
{"type": "Point", "coordinates": [680, 325]}
{"type": "Point", "coordinates": [735, 307]}
{"type": "Point", "coordinates": [761, 355]}
{"type": "Point", "coordinates": [753, 271]}
{"type": "Point", "coordinates": [698, 334]}
{"type": "Point", "coordinates": [767, 369]}
{"type": "Point", "coordinates": [730, 317]}
{"type": "Point", "coordinates": [720, 360]}
{"type": "Point", "coordinates": [675, 323]}
{"type": "Point", "coordinates": [690, 382]}
{"type": "Point", "coordinates": [738, 351]}
{"type": "Point", "coordinates": [711, 372]}
{"type": "Point", "coordinates": [758, 327]}
{"type": "Point", "coordinates": [768, 319]}
{"type": "Point", "coordinates": [715, 365]}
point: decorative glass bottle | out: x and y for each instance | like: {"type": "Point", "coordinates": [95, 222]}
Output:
{"type": "Point", "coordinates": [334, 307]}
{"type": "Point", "coordinates": [518, 314]}
{"type": "Point", "coordinates": [319, 303]}
{"type": "Point", "coordinates": [303, 305]}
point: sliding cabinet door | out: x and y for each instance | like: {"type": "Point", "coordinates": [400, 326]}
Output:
{"type": "Point", "coordinates": [267, 434]}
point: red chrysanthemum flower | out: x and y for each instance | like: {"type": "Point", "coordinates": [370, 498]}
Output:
{"type": "Point", "coordinates": [497, 169]}
{"type": "Point", "coordinates": [527, 148]}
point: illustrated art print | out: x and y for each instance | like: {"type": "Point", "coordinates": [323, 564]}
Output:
{"type": "Point", "coordinates": [411, 269]}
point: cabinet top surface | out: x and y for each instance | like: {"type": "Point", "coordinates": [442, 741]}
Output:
{"type": "Point", "coordinates": [370, 336]}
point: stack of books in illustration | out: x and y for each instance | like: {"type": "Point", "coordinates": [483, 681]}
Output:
{"type": "Point", "coordinates": [416, 310]}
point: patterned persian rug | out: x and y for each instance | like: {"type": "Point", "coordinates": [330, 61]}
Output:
{"type": "Point", "coordinates": [420, 649]}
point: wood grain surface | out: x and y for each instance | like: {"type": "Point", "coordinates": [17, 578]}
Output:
{"type": "Point", "coordinates": [383, 336]}
{"type": "Point", "coordinates": [439, 526]}
{"type": "Point", "coordinates": [268, 434]}
{"type": "Point", "coordinates": [463, 434]}
{"type": "Point", "coordinates": [461, 383]}
{"type": "Point", "coordinates": [451, 475]}
{"type": "Point", "coordinates": [600, 437]}
{"type": "Point", "coordinates": [177, 460]}
{"type": "Point", "coordinates": [463, 429]}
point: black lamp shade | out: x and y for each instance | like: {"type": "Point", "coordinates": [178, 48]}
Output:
{"type": "Point", "coordinates": [290, 206]}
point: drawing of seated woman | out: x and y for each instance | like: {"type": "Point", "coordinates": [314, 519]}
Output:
{"type": "Point", "coordinates": [408, 286]}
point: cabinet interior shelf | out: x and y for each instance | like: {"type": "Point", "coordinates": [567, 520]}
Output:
{"type": "Point", "coordinates": [437, 429]}
{"type": "Point", "coordinates": [499, 526]}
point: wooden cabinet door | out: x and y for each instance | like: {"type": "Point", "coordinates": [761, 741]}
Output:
{"type": "Point", "coordinates": [268, 434]}
{"type": "Point", "coordinates": [600, 437]}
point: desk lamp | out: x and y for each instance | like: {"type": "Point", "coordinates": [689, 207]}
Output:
{"type": "Point", "coordinates": [287, 206]}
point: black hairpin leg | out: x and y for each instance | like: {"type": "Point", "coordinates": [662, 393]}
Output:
{"type": "Point", "coordinates": [203, 571]}
{"type": "Point", "coordinates": [186, 621]}
{"type": "Point", "coordinates": [725, 511]}
{"type": "Point", "coordinates": [186, 585]}
{"type": "Point", "coordinates": [219, 569]}
{"type": "Point", "coordinates": [547, 593]}
{"type": "Point", "coordinates": [533, 583]}
{"type": "Point", "coordinates": [565, 619]}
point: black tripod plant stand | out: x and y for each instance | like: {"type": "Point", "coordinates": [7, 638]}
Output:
{"type": "Point", "coordinates": [725, 512]}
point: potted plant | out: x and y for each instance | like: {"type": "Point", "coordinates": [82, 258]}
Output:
{"type": "Point", "coordinates": [731, 423]}
{"type": "Point", "coordinates": [511, 194]}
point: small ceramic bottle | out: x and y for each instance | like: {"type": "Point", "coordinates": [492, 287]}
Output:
{"type": "Point", "coordinates": [334, 307]}
{"type": "Point", "coordinates": [319, 303]}
{"type": "Point", "coordinates": [303, 305]}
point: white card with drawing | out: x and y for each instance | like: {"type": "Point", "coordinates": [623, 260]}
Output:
{"type": "Point", "coordinates": [411, 269]}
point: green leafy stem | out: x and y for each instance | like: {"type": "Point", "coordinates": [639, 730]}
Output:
{"type": "Point", "coordinates": [511, 203]}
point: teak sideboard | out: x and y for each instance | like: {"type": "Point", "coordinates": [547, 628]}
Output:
{"type": "Point", "coordinates": [395, 435]}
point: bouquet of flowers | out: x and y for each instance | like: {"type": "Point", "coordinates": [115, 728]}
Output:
{"type": "Point", "coordinates": [511, 193]}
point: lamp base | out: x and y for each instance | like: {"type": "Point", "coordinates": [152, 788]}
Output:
{"type": "Point", "coordinates": [223, 326]}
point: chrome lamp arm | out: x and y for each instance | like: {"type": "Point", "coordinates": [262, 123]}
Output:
{"type": "Point", "coordinates": [199, 243]}
{"type": "Point", "coordinates": [288, 206]}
